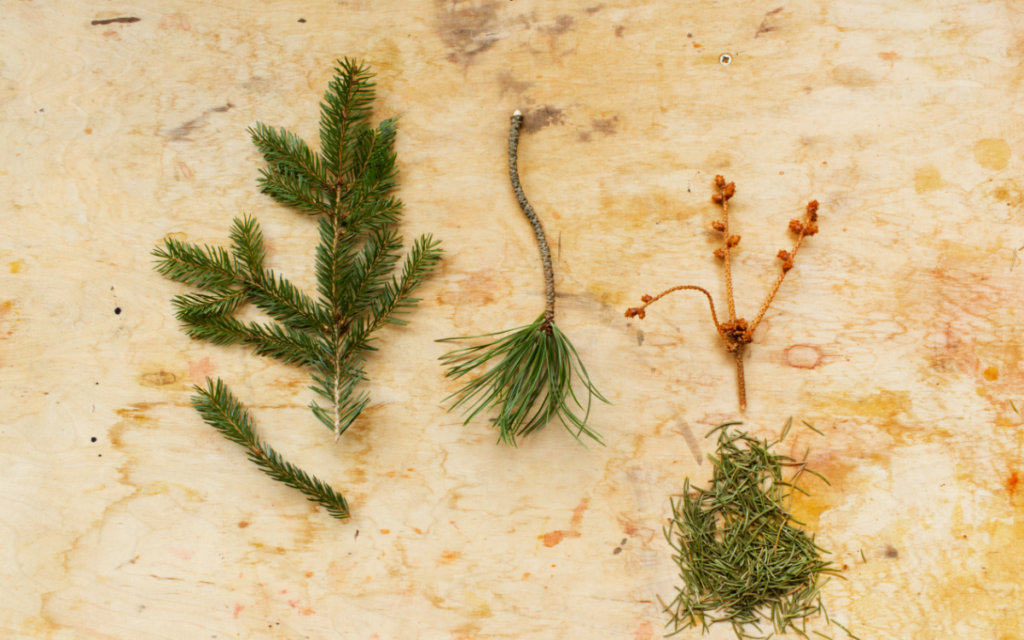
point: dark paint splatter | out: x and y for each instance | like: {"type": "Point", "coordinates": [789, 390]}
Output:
{"type": "Point", "coordinates": [765, 28]}
{"type": "Point", "coordinates": [509, 84]}
{"type": "Point", "coordinates": [117, 311]}
{"type": "Point", "coordinates": [605, 125]}
{"type": "Point", "coordinates": [467, 32]}
{"type": "Point", "coordinates": [302, 19]}
{"type": "Point", "coordinates": [619, 30]}
{"type": "Point", "coordinates": [537, 119]}
{"type": "Point", "coordinates": [891, 552]}
{"type": "Point", "coordinates": [116, 20]}
{"type": "Point", "coordinates": [93, 439]}
{"type": "Point", "coordinates": [182, 132]}
{"type": "Point", "coordinates": [561, 26]}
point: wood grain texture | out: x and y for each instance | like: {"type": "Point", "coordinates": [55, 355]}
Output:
{"type": "Point", "coordinates": [898, 332]}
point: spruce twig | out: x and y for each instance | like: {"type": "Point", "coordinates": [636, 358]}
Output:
{"type": "Point", "coordinates": [346, 185]}
{"type": "Point", "coordinates": [532, 380]}
{"type": "Point", "coordinates": [736, 333]}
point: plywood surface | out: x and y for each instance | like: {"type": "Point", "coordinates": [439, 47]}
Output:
{"type": "Point", "coordinates": [124, 516]}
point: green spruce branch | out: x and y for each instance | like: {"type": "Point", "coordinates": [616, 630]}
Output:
{"type": "Point", "coordinates": [531, 382]}
{"type": "Point", "coordinates": [347, 186]}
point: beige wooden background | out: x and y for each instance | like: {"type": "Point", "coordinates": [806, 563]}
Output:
{"type": "Point", "coordinates": [122, 515]}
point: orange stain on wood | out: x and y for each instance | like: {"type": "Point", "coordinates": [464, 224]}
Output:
{"type": "Point", "coordinates": [1011, 484]}
{"type": "Point", "coordinates": [554, 537]}
{"type": "Point", "coordinates": [992, 373]}
{"type": "Point", "coordinates": [200, 370]}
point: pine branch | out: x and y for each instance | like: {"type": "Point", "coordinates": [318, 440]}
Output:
{"type": "Point", "coordinates": [208, 268]}
{"type": "Point", "coordinates": [345, 113]}
{"type": "Point", "coordinates": [247, 247]}
{"type": "Point", "coordinates": [370, 270]}
{"type": "Point", "coordinates": [530, 382]}
{"type": "Point", "coordinates": [282, 301]}
{"type": "Point", "coordinates": [224, 413]}
{"type": "Point", "coordinates": [395, 296]}
{"type": "Point", "coordinates": [346, 183]}
{"type": "Point", "coordinates": [288, 154]}
{"type": "Point", "coordinates": [293, 191]}
{"type": "Point", "coordinates": [198, 306]}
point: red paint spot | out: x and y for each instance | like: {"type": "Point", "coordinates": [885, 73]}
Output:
{"type": "Point", "coordinates": [554, 537]}
{"type": "Point", "coordinates": [803, 356]}
{"type": "Point", "coordinates": [243, 524]}
{"type": "Point", "coordinates": [385, 531]}
{"type": "Point", "coordinates": [644, 632]}
{"type": "Point", "coordinates": [238, 610]}
{"type": "Point", "coordinates": [309, 574]}
{"type": "Point", "coordinates": [199, 371]}
{"type": "Point", "coordinates": [448, 557]}
{"type": "Point", "coordinates": [1011, 484]}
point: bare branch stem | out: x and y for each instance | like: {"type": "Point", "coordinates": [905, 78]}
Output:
{"type": "Point", "coordinates": [538, 230]}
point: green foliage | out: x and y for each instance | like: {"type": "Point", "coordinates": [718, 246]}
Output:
{"type": "Point", "coordinates": [531, 380]}
{"type": "Point", "coordinates": [531, 383]}
{"type": "Point", "coordinates": [740, 559]}
{"type": "Point", "coordinates": [347, 185]}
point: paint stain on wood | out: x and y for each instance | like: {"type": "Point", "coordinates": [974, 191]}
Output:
{"type": "Point", "coordinates": [992, 153]}
{"type": "Point", "coordinates": [927, 178]}
{"type": "Point", "coordinates": [803, 356]}
{"type": "Point", "coordinates": [125, 20]}
{"type": "Point", "coordinates": [552, 538]}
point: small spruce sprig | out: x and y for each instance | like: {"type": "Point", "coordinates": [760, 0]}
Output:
{"type": "Point", "coordinates": [346, 185]}
{"type": "Point", "coordinates": [740, 558]}
{"type": "Point", "coordinates": [531, 383]}
{"type": "Point", "coordinates": [736, 333]}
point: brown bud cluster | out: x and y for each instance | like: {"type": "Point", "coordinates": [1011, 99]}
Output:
{"type": "Point", "coordinates": [796, 226]}
{"type": "Point", "coordinates": [717, 198]}
{"type": "Point", "coordinates": [783, 255]}
{"type": "Point", "coordinates": [732, 241]}
{"type": "Point", "coordinates": [646, 299]}
{"type": "Point", "coordinates": [632, 312]}
{"type": "Point", "coordinates": [720, 254]}
{"type": "Point", "coordinates": [812, 210]}
{"type": "Point", "coordinates": [719, 181]}
{"type": "Point", "coordinates": [718, 225]}
{"type": "Point", "coordinates": [736, 332]}
{"type": "Point", "coordinates": [729, 190]}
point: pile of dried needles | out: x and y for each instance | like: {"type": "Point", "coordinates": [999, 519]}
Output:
{"type": "Point", "coordinates": [740, 558]}
{"type": "Point", "coordinates": [531, 383]}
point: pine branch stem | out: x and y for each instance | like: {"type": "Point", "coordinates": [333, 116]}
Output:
{"type": "Point", "coordinates": [729, 299]}
{"type": "Point", "coordinates": [775, 287]}
{"type": "Point", "coordinates": [538, 229]}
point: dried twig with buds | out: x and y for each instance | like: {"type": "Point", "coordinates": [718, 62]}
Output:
{"type": "Point", "coordinates": [737, 332]}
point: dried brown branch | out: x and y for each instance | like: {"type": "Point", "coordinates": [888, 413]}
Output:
{"type": "Point", "coordinates": [736, 333]}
